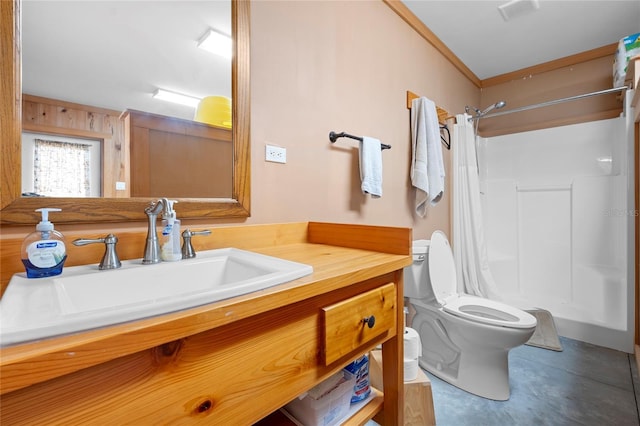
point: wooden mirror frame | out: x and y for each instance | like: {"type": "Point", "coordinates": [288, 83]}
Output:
{"type": "Point", "coordinates": [20, 210]}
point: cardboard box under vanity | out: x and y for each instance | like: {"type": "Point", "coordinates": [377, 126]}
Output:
{"type": "Point", "coordinates": [325, 404]}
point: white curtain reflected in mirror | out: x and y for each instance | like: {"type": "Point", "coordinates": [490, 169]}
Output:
{"type": "Point", "coordinates": [56, 166]}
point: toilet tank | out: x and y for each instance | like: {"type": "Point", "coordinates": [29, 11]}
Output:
{"type": "Point", "coordinates": [416, 276]}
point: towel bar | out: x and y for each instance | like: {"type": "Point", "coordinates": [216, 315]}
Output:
{"type": "Point", "coordinates": [333, 136]}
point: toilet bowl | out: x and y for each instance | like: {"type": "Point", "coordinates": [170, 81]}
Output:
{"type": "Point", "coordinates": [465, 339]}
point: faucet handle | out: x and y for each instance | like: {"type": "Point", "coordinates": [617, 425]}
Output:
{"type": "Point", "coordinates": [110, 259]}
{"type": "Point", "coordinates": [187, 248]}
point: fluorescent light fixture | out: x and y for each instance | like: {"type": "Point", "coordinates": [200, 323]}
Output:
{"type": "Point", "coordinates": [217, 43]}
{"type": "Point", "coordinates": [177, 98]}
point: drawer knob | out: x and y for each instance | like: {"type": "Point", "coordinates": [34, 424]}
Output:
{"type": "Point", "coordinates": [370, 321]}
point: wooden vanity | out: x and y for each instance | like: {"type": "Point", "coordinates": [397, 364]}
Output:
{"type": "Point", "coordinates": [236, 361]}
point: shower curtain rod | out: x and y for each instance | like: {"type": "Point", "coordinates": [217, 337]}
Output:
{"type": "Point", "coordinates": [557, 101]}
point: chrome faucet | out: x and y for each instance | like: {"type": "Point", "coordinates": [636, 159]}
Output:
{"type": "Point", "coordinates": [152, 246]}
{"type": "Point", "coordinates": [110, 259]}
{"type": "Point", "coordinates": [187, 248]}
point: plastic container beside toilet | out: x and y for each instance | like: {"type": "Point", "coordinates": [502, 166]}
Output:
{"type": "Point", "coordinates": [412, 353]}
{"type": "Point", "coordinates": [412, 350]}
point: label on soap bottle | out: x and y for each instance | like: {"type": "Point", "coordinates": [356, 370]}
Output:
{"type": "Point", "coordinates": [46, 253]}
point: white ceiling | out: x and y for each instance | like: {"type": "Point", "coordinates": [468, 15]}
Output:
{"type": "Point", "coordinates": [115, 54]}
{"type": "Point", "coordinates": [476, 33]}
{"type": "Point", "coordinates": [87, 51]}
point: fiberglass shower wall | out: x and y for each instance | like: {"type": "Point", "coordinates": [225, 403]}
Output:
{"type": "Point", "coordinates": [556, 212]}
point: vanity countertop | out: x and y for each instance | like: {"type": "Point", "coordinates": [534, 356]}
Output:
{"type": "Point", "coordinates": [341, 255]}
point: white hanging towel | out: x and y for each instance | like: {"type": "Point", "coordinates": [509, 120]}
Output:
{"type": "Point", "coordinates": [427, 165]}
{"type": "Point", "coordinates": [371, 166]}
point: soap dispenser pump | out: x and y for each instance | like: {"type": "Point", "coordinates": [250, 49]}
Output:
{"type": "Point", "coordinates": [170, 240]}
{"type": "Point", "coordinates": [43, 251]}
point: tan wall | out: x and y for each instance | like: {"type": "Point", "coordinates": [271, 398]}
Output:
{"type": "Point", "coordinates": [343, 66]}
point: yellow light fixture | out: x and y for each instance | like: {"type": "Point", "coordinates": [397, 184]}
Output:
{"type": "Point", "coordinates": [177, 98]}
{"type": "Point", "coordinates": [214, 110]}
{"type": "Point", "coordinates": [217, 43]}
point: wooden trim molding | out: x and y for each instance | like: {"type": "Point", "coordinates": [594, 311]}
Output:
{"type": "Point", "coordinates": [10, 110]}
{"type": "Point", "coordinates": [415, 23]}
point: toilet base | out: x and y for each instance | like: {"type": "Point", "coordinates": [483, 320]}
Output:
{"type": "Point", "coordinates": [487, 378]}
{"type": "Point", "coordinates": [472, 356]}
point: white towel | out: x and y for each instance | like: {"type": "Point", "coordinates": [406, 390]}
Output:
{"type": "Point", "coordinates": [371, 166]}
{"type": "Point", "coordinates": [427, 165]}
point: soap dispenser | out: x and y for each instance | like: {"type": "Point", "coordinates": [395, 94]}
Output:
{"type": "Point", "coordinates": [170, 240]}
{"type": "Point", "coordinates": [43, 251]}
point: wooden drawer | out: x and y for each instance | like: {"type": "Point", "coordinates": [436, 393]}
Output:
{"type": "Point", "coordinates": [344, 323]}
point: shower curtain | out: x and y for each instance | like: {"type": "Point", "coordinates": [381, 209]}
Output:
{"type": "Point", "coordinates": [469, 246]}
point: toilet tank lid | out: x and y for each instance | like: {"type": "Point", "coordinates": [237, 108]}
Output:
{"type": "Point", "coordinates": [420, 246]}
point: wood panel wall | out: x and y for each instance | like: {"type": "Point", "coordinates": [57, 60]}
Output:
{"type": "Point", "coordinates": [178, 158]}
{"type": "Point", "coordinates": [56, 117]}
{"type": "Point", "coordinates": [577, 75]}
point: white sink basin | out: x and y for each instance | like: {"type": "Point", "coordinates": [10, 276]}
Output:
{"type": "Point", "coordinates": [83, 297]}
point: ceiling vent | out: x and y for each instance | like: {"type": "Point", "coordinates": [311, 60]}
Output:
{"type": "Point", "coordinates": [516, 8]}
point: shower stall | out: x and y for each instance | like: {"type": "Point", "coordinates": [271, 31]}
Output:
{"type": "Point", "coordinates": [558, 215]}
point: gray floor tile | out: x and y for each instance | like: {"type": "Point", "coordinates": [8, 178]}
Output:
{"type": "Point", "coordinates": [582, 359]}
{"type": "Point", "coordinates": [583, 385]}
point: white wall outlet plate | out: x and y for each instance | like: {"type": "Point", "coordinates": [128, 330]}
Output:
{"type": "Point", "coordinates": [275, 154]}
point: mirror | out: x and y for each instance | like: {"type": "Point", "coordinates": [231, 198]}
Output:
{"type": "Point", "coordinates": [18, 210]}
{"type": "Point", "coordinates": [91, 77]}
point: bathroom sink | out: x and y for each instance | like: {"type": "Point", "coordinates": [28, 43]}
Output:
{"type": "Point", "coordinates": [83, 297]}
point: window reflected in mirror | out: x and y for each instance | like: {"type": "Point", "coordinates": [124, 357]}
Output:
{"type": "Point", "coordinates": [59, 166]}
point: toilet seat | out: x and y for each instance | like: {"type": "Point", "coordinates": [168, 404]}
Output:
{"type": "Point", "coordinates": [442, 269]}
{"type": "Point", "coordinates": [442, 273]}
{"type": "Point", "coordinates": [486, 311]}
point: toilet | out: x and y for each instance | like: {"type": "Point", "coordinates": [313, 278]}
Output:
{"type": "Point", "coordinates": [465, 339]}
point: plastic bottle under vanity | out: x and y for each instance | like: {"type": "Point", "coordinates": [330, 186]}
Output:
{"type": "Point", "coordinates": [44, 251]}
{"type": "Point", "coordinates": [170, 239]}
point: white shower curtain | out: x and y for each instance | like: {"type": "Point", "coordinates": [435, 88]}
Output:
{"type": "Point", "coordinates": [469, 246]}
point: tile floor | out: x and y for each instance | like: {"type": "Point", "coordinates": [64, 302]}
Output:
{"type": "Point", "coordinates": [583, 385]}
